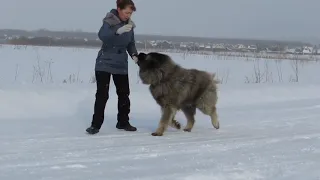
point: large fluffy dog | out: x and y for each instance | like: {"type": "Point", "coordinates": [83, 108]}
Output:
{"type": "Point", "coordinates": [176, 88]}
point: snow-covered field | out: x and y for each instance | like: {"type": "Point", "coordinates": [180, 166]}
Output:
{"type": "Point", "coordinates": [268, 130]}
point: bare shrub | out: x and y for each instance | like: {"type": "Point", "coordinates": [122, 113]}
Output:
{"type": "Point", "coordinates": [279, 70]}
{"type": "Point", "coordinates": [38, 71]}
{"type": "Point", "coordinates": [72, 78]}
{"type": "Point", "coordinates": [49, 73]}
{"type": "Point", "coordinates": [296, 71]}
{"type": "Point", "coordinates": [267, 74]}
{"type": "Point", "coordinates": [223, 77]}
{"type": "Point", "coordinates": [17, 72]}
{"type": "Point", "coordinates": [260, 76]}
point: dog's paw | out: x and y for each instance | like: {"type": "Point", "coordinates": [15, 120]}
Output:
{"type": "Point", "coordinates": [187, 129]}
{"type": "Point", "coordinates": [216, 124]}
{"type": "Point", "coordinates": [175, 124]}
{"type": "Point", "coordinates": [156, 134]}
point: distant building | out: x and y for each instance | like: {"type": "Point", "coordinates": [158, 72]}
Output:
{"type": "Point", "coordinates": [307, 50]}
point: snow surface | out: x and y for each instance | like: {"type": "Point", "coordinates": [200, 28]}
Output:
{"type": "Point", "coordinates": [267, 130]}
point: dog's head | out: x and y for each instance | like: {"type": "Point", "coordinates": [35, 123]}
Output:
{"type": "Point", "coordinates": [142, 59]}
{"type": "Point", "coordinates": [153, 67]}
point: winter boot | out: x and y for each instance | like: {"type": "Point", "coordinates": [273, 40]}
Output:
{"type": "Point", "coordinates": [125, 126]}
{"type": "Point", "coordinates": [92, 130]}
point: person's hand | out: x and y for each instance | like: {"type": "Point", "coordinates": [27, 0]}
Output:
{"type": "Point", "coordinates": [125, 28]}
{"type": "Point", "coordinates": [135, 58]}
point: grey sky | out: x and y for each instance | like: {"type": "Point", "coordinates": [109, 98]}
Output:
{"type": "Point", "coordinates": [267, 19]}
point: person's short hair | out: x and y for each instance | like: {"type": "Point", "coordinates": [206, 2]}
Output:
{"type": "Point", "coordinates": [122, 4]}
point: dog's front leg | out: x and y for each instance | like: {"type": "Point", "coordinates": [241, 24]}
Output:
{"type": "Point", "coordinates": [167, 115]}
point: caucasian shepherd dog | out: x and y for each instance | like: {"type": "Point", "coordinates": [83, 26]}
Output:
{"type": "Point", "coordinates": [176, 88]}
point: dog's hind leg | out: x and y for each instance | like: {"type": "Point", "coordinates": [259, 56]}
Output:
{"type": "Point", "coordinates": [168, 114]}
{"type": "Point", "coordinates": [207, 105]}
{"type": "Point", "coordinates": [175, 124]}
{"type": "Point", "coordinates": [214, 118]}
{"type": "Point", "coordinates": [189, 112]}
{"type": "Point", "coordinates": [212, 112]}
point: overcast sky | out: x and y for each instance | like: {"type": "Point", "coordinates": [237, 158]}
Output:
{"type": "Point", "coordinates": [267, 19]}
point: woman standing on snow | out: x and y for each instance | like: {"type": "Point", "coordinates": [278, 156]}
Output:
{"type": "Point", "coordinates": [117, 38]}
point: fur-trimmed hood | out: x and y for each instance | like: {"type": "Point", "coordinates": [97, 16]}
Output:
{"type": "Point", "coordinates": [112, 19]}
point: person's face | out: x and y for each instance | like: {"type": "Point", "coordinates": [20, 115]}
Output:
{"type": "Point", "coordinates": [125, 14]}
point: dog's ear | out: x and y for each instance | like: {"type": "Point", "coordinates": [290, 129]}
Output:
{"type": "Point", "coordinates": [142, 56]}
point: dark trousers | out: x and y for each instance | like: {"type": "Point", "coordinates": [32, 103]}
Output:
{"type": "Point", "coordinates": [121, 83]}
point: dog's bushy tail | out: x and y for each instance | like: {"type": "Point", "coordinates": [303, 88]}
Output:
{"type": "Point", "coordinates": [214, 79]}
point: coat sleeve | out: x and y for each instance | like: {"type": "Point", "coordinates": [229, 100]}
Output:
{"type": "Point", "coordinates": [106, 32]}
{"type": "Point", "coordinates": [131, 48]}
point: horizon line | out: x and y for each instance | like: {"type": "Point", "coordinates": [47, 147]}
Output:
{"type": "Point", "coordinates": [182, 36]}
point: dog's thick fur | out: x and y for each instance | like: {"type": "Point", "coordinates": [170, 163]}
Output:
{"type": "Point", "coordinates": [176, 88]}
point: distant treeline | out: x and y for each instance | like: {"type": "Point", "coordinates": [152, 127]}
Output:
{"type": "Point", "coordinates": [48, 41]}
{"type": "Point", "coordinates": [72, 42]}
{"type": "Point", "coordinates": [91, 36]}
{"type": "Point", "coordinates": [162, 45]}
